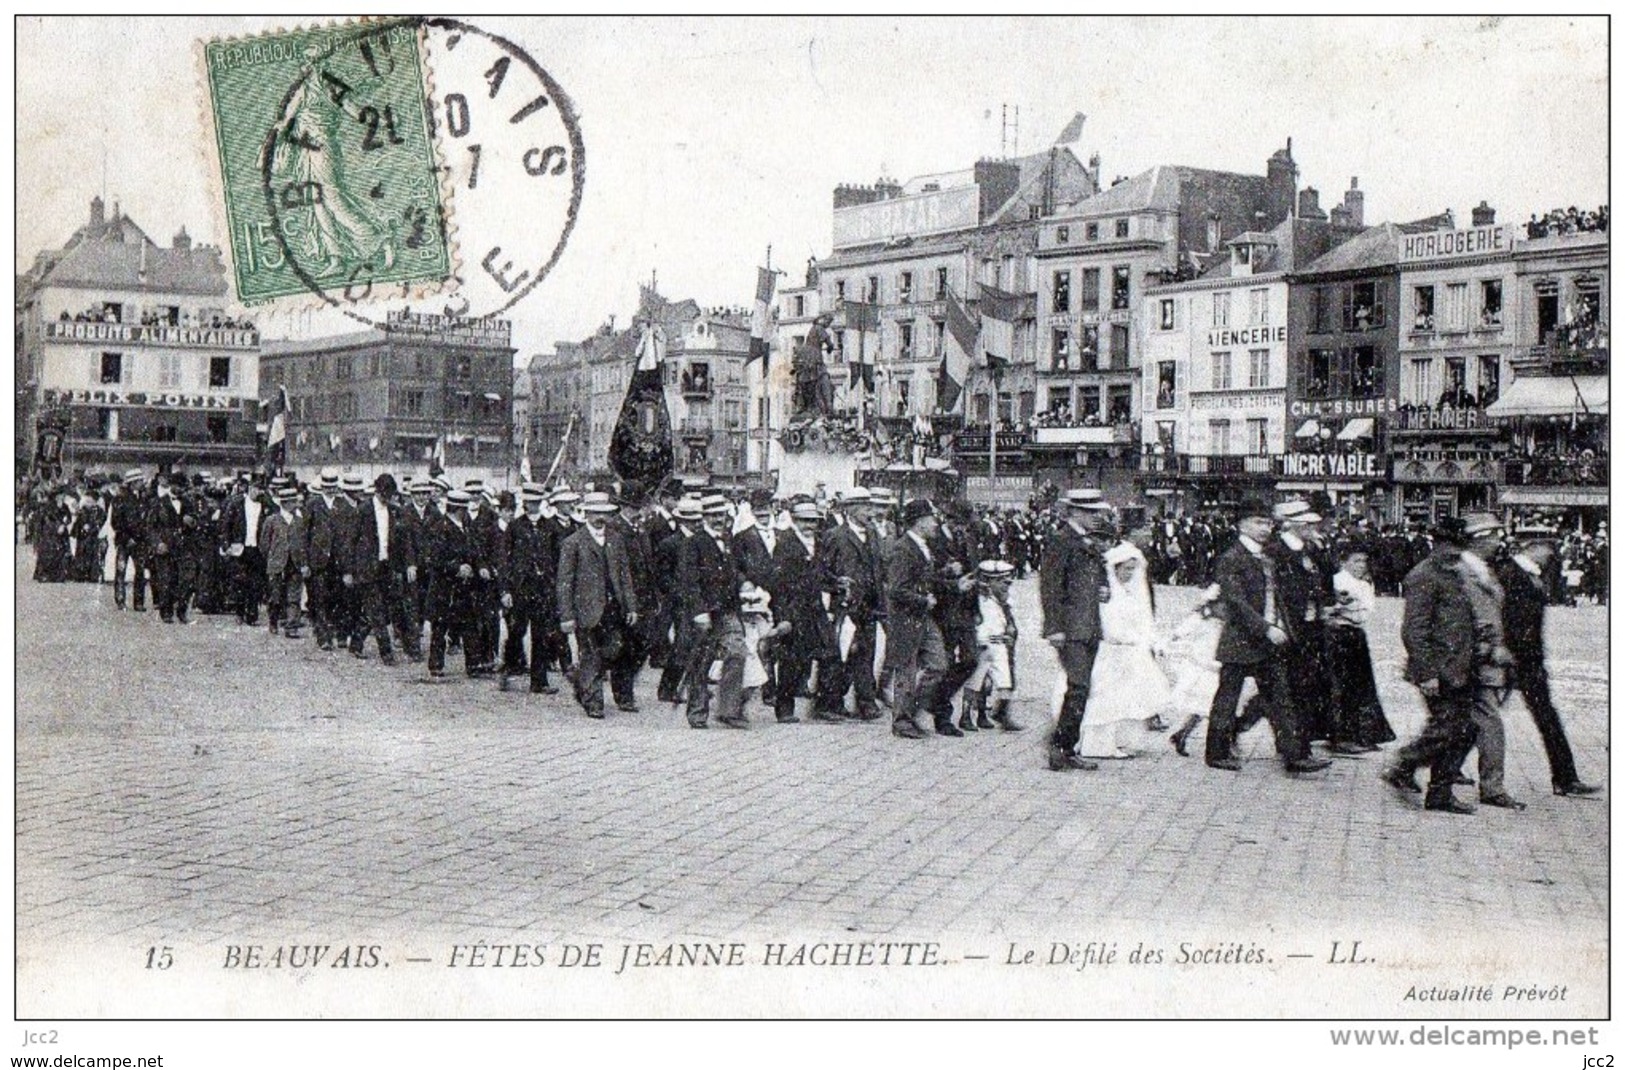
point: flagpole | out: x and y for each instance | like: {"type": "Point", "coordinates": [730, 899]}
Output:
{"type": "Point", "coordinates": [563, 445]}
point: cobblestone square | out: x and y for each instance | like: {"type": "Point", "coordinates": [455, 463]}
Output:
{"type": "Point", "coordinates": [208, 787]}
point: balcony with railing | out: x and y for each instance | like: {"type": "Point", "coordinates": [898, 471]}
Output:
{"type": "Point", "coordinates": [1583, 468]}
{"type": "Point", "coordinates": [696, 426]}
{"type": "Point", "coordinates": [1208, 464]}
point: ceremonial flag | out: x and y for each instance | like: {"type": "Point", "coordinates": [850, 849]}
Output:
{"type": "Point", "coordinates": [640, 447]}
{"type": "Point", "coordinates": [955, 368]}
{"type": "Point", "coordinates": [759, 317]}
{"type": "Point", "coordinates": [524, 457]}
{"type": "Point", "coordinates": [862, 369]}
{"type": "Point", "coordinates": [437, 459]}
{"type": "Point", "coordinates": [564, 444]}
{"type": "Point", "coordinates": [276, 434]}
{"type": "Point", "coordinates": [861, 316]}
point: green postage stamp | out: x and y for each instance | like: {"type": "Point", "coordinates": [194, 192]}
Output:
{"type": "Point", "coordinates": [327, 162]}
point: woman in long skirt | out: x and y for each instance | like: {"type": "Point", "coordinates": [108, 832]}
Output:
{"type": "Point", "coordinates": [1357, 713]}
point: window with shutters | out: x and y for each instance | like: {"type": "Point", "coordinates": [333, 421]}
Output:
{"type": "Point", "coordinates": [1221, 371]}
{"type": "Point", "coordinates": [1258, 368]}
{"type": "Point", "coordinates": [169, 370]}
{"type": "Point", "coordinates": [1221, 309]}
{"type": "Point", "coordinates": [1362, 306]}
{"type": "Point", "coordinates": [1165, 384]}
{"type": "Point", "coordinates": [1258, 437]}
{"type": "Point", "coordinates": [219, 372]}
{"type": "Point", "coordinates": [1258, 307]}
{"type": "Point", "coordinates": [1489, 310]}
{"type": "Point", "coordinates": [112, 369]}
{"type": "Point", "coordinates": [1061, 349]}
{"type": "Point", "coordinates": [1455, 306]}
{"type": "Point", "coordinates": [1365, 372]}
{"type": "Point", "coordinates": [1317, 373]}
{"type": "Point", "coordinates": [1165, 314]}
{"type": "Point", "coordinates": [942, 284]}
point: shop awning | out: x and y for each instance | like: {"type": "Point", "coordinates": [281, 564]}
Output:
{"type": "Point", "coordinates": [1357, 428]}
{"type": "Point", "coordinates": [1310, 429]}
{"type": "Point", "coordinates": [1553, 395]}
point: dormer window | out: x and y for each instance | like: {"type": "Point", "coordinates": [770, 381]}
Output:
{"type": "Point", "coordinates": [1061, 235]}
{"type": "Point", "coordinates": [1122, 228]}
{"type": "Point", "coordinates": [1244, 256]}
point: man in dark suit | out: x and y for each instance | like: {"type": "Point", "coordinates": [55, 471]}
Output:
{"type": "Point", "coordinates": [1450, 657]}
{"type": "Point", "coordinates": [165, 531]}
{"type": "Point", "coordinates": [710, 581]}
{"type": "Point", "coordinates": [321, 543]}
{"type": "Point", "coordinates": [859, 573]}
{"type": "Point", "coordinates": [955, 549]}
{"type": "Point", "coordinates": [914, 651]}
{"type": "Point", "coordinates": [800, 581]}
{"type": "Point", "coordinates": [244, 514]}
{"type": "Point", "coordinates": [1526, 576]}
{"type": "Point", "coordinates": [348, 626]}
{"type": "Point", "coordinates": [1303, 578]}
{"type": "Point", "coordinates": [1253, 642]}
{"type": "Point", "coordinates": [453, 559]}
{"type": "Point", "coordinates": [659, 525]}
{"type": "Point", "coordinates": [595, 597]}
{"type": "Point", "coordinates": [634, 534]}
{"type": "Point", "coordinates": [129, 522]}
{"type": "Point", "coordinates": [375, 561]}
{"type": "Point", "coordinates": [1071, 586]}
{"type": "Point", "coordinates": [485, 530]}
{"type": "Point", "coordinates": [530, 588]}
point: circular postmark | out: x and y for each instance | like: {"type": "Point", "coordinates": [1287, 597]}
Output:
{"type": "Point", "coordinates": [422, 156]}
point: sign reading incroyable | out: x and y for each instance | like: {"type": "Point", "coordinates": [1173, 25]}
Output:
{"type": "Point", "coordinates": [1329, 466]}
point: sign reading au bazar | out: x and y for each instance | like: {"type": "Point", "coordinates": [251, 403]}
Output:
{"type": "Point", "coordinates": [1329, 465]}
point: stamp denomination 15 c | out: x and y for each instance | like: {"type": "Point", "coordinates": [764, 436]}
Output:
{"type": "Point", "coordinates": [327, 161]}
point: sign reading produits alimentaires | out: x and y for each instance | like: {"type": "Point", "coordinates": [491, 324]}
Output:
{"type": "Point", "coordinates": [1441, 244]}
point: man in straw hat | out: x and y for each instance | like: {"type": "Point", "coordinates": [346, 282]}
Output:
{"type": "Point", "coordinates": [711, 580]}
{"type": "Point", "coordinates": [1253, 644]}
{"type": "Point", "coordinates": [1071, 586]}
{"type": "Point", "coordinates": [596, 599]}
{"type": "Point", "coordinates": [673, 623]}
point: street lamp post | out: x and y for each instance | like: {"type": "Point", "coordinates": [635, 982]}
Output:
{"type": "Point", "coordinates": [1326, 470]}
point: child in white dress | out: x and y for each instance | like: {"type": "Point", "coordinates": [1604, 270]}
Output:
{"type": "Point", "coordinates": [994, 680]}
{"type": "Point", "coordinates": [1190, 656]}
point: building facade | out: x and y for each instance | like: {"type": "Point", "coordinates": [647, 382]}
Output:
{"type": "Point", "coordinates": [559, 387]}
{"type": "Point", "coordinates": [1457, 337]}
{"type": "Point", "coordinates": [1343, 336]}
{"type": "Point", "coordinates": [127, 356]}
{"type": "Point", "coordinates": [381, 400]}
{"type": "Point", "coordinates": [1554, 413]}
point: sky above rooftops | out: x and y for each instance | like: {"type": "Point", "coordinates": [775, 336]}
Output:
{"type": "Point", "coordinates": [708, 139]}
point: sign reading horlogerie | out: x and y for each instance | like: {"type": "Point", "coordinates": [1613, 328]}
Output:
{"type": "Point", "coordinates": [1442, 244]}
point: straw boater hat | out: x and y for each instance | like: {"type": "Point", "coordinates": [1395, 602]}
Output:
{"type": "Point", "coordinates": [564, 498]}
{"type": "Point", "coordinates": [995, 570]}
{"type": "Point", "coordinates": [713, 505]}
{"type": "Point", "coordinates": [458, 498]}
{"type": "Point", "coordinates": [133, 476]}
{"type": "Point", "coordinates": [1475, 525]}
{"type": "Point", "coordinates": [687, 508]}
{"type": "Point", "coordinates": [532, 492]}
{"type": "Point", "coordinates": [805, 511]}
{"type": "Point", "coordinates": [329, 479]}
{"type": "Point", "coordinates": [420, 487]}
{"type": "Point", "coordinates": [440, 483]}
{"type": "Point", "coordinates": [1292, 511]}
{"type": "Point", "coordinates": [352, 483]}
{"type": "Point", "coordinates": [1088, 498]}
{"type": "Point", "coordinates": [884, 497]}
{"type": "Point", "coordinates": [858, 496]}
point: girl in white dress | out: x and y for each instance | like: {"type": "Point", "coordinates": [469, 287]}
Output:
{"type": "Point", "coordinates": [1195, 672]}
{"type": "Point", "coordinates": [1127, 686]}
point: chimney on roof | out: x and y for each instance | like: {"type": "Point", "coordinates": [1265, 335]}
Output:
{"type": "Point", "coordinates": [183, 240]}
{"type": "Point", "coordinates": [115, 212]}
{"type": "Point", "coordinates": [1483, 215]}
{"type": "Point", "coordinates": [1309, 204]}
{"type": "Point", "coordinates": [1280, 186]}
{"type": "Point", "coordinates": [98, 212]}
{"type": "Point", "coordinates": [1354, 203]}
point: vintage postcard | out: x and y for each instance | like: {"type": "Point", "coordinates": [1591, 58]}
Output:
{"type": "Point", "coordinates": [533, 517]}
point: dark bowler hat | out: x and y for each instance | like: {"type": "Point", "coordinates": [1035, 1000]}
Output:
{"type": "Point", "coordinates": [1452, 530]}
{"type": "Point", "coordinates": [384, 484]}
{"type": "Point", "coordinates": [1253, 506]}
